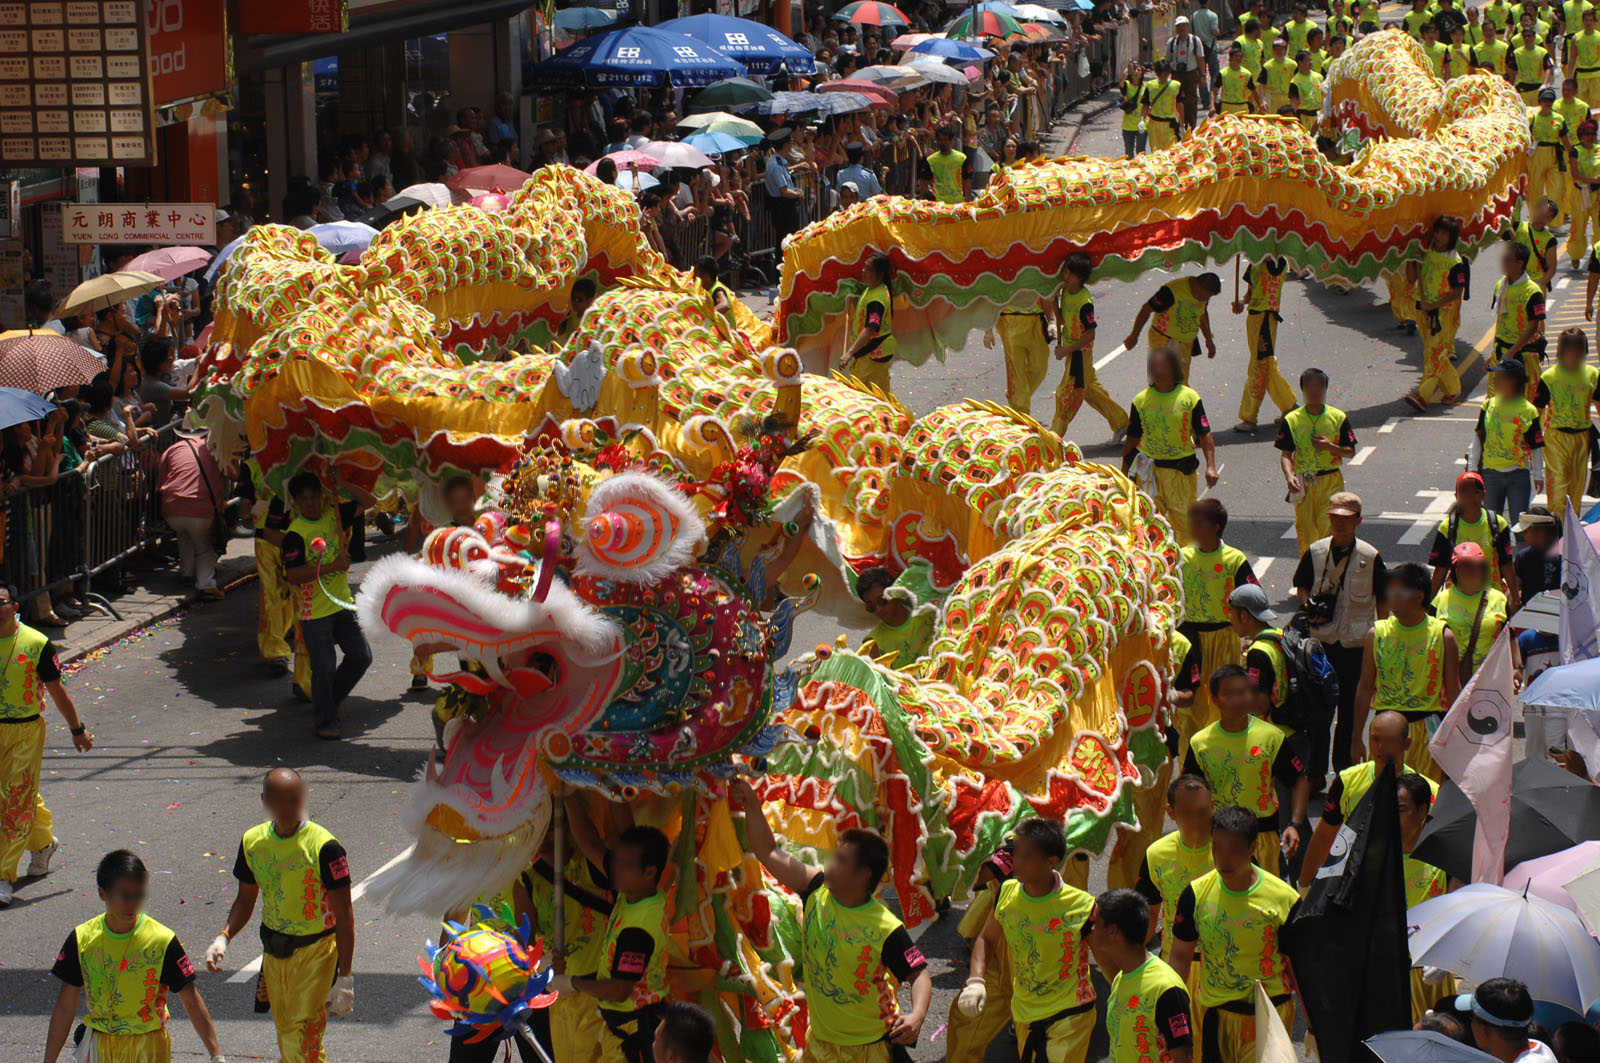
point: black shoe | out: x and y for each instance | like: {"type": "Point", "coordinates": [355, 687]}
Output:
{"type": "Point", "coordinates": [419, 682]}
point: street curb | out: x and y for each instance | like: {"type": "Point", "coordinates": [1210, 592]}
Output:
{"type": "Point", "coordinates": [118, 631]}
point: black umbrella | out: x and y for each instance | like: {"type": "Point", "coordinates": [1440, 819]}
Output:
{"type": "Point", "coordinates": [391, 209]}
{"type": "Point", "coordinates": [1551, 810]}
{"type": "Point", "coordinates": [1423, 1046]}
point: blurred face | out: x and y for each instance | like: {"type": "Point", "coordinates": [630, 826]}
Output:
{"type": "Point", "coordinates": [1506, 385]}
{"type": "Point", "coordinates": [8, 609]}
{"type": "Point", "coordinates": [309, 503]}
{"type": "Point", "coordinates": [286, 804]}
{"type": "Point", "coordinates": [1510, 265]}
{"type": "Point", "coordinates": [1441, 239]}
{"type": "Point", "coordinates": [124, 899]}
{"type": "Point", "coordinates": [1237, 695]}
{"type": "Point", "coordinates": [1469, 576]}
{"type": "Point", "coordinates": [844, 871]}
{"type": "Point", "coordinates": [1412, 817]}
{"type": "Point", "coordinates": [1387, 741]}
{"type": "Point", "coordinates": [459, 502]}
{"type": "Point", "coordinates": [1229, 852]}
{"type": "Point", "coordinates": [1192, 813]}
{"type": "Point", "coordinates": [1402, 598]}
{"type": "Point", "coordinates": [628, 872]}
{"type": "Point", "coordinates": [1031, 863]}
{"type": "Point", "coordinates": [1343, 526]}
{"type": "Point", "coordinates": [1159, 370]}
{"type": "Point", "coordinates": [1314, 390]}
{"type": "Point", "coordinates": [1469, 496]}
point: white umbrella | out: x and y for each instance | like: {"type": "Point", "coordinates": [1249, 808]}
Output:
{"type": "Point", "coordinates": [430, 192]}
{"type": "Point", "coordinates": [1483, 931]}
{"type": "Point", "coordinates": [677, 154]}
{"type": "Point", "coordinates": [625, 181]}
{"type": "Point", "coordinates": [341, 236]}
{"type": "Point", "coordinates": [936, 70]}
{"type": "Point", "coordinates": [1035, 13]}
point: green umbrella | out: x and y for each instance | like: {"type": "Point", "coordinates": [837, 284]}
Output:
{"type": "Point", "coordinates": [991, 21]}
{"type": "Point", "coordinates": [728, 94]}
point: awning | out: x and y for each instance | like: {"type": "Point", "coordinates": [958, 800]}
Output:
{"type": "Point", "coordinates": [367, 31]}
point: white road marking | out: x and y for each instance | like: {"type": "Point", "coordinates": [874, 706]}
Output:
{"type": "Point", "coordinates": [1422, 524]}
{"type": "Point", "coordinates": [248, 971]}
{"type": "Point", "coordinates": [1362, 455]}
{"type": "Point", "coordinates": [1109, 358]}
{"type": "Point", "coordinates": [1260, 566]}
{"type": "Point", "coordinates": [1389, 426]}
{"type": "Point", "coordinates": [1288, 533]}
{"type": "Point", "coordinates": [1561, 282]}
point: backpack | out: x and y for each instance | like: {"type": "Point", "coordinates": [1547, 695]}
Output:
{"type": "Point", "coordinates": [1313, 697]}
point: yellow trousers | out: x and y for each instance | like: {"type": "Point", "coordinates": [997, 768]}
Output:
{"type": "Point", "coordinates": [1585, 223]}
{"type": "Point", "coordinates": [1588, 83]}
{"type": "Point", "coordinates": [25, 824]}
{"type": "Point", "coordinates": [1161, 133]}
{"type": "Point", "coordinates": [1268, 852]}
{"type": "Point", "coordinates": [1217, 648]}
{"type": "Point", "coordinates": [1438, 354]}
{"type": "Point", "coordinates": [1263, 379]}
{"type": "Point", "coordinates": [1235, 1033]}
{"type": "Point", "coordinates": [1425, 996]}
{"type": "Point", "coordinates": [1070, 397]}
{"type": "Point", "coordinates": [1068, 1039]}
{"type": "Point", "coordinates": [1419, 756]}
{"type": "Point", "coordinates": [1308, 122]}
{"type": "Point", "coordinates": [1566, 468]}
{"type": "Point", "coordinates": [575, 1028]}
{"type": "Point", "coordinates": [1185, 350]}
{"type": "Point", "coordinates": [1402, 297]}
{"type": "Point", "coordinates": [870, 372]}
{"type": "Point", "coordinates": [1545, 179]}
{"type": "Point", "coordinates": [152, 1047]}
{"type": "Point", "coordinates": [1233, 108]}
{"type": "Point", "coordinates": [819, 1051]}
{"type": "Point", "coordinates": [1311, 512]}
{"type": "Point", "coordinates": [967, 1039]}
{"type": "Point", "coordinates": [277, 623]}
{"type": "Point", "coordinates": [1531, 98]}
{"type": "Point", "coordinates": [1150, 805]}
{"type": "Point", "coordinates": [611, 1050]}
{"type": "Point", "coordinates": [1174, 493]}
{"type": "Point", "coordinates": [297, 990]}
{"type": "Point", "coordinates": [1027, 353]}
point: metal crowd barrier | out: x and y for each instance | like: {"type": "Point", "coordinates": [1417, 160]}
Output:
{"type": "Point", "coordinates": [85, 523]}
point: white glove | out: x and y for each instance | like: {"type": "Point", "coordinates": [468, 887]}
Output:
{"type": "Point", "coordinates": [342, 997]}
{"type": "Point", "coordinates": [216, 951]}
{"type": "Point", "coordinates": [972, 998]}
{"type": "Point", "coordinates": [560, 983]}
{"type": "Point", "coordinates": [1434, 975]}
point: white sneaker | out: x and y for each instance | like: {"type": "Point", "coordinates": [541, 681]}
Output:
{"type": "Point", "coordinates": [5, 893]}
{"type": "Point", "coordinates": [39, 864]}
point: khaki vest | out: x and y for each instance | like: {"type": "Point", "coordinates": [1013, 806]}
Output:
{"type": "Point", "coordinates": [1357, 608]}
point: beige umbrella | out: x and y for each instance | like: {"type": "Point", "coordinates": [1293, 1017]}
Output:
{"type": "Point", "coordinates": [108, 289]}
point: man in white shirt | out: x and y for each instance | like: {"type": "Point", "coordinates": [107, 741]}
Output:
{"type": "Point", "coordinates": [1186, 57]}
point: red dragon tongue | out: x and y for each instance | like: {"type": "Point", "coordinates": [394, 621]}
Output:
{"type": "Point", "coordinates": [528, 681]}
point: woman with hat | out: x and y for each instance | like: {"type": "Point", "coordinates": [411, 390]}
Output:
{"type": "Point", "coordinates": [1474, 611]}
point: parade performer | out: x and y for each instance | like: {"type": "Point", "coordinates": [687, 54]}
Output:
{"type": "Point", "coordinates": [1474, 610]}
{"type": "Point", "coordinates": [851, 944]}
{"type": "Point", "coordinates": [1161, 101]}
{"type": "Point", "coordinates": [1408, 664]}
{"type": "Point", "coordinates": [1135, 110]}
{"type": "Point", "coordinates": [1076, 327]}
{"type": "Point", "coordinates": [1236, 91]}
{"type": "Point", "coordinates": [1025, 341]}
{"type": "Point", "coordinates": [1489, 56]}
{"type": "Point", "coordinates": [1519, 313]}
{"type": "Point", "coordinates": [870, 352]}
{"type": "Point", "coordinates": [125, 963]}
{"type": "Point", "coordinates": [1147, 1014]}
{"type": "Point", "coordinates": [1469, 521]}
{"type": "Point", "coordinates": [1433, 48]}
{"type": "Point", "coordinates": [1276, 74]}
{"type": "Point", "coordinates": [904, 627]}
{"type": "Point", "coordinates": [1418, 17]}
{"type": "Point", "coordinates": [1211, 569]}
{"type": "Point", "coordinates": [308, 934]}
{"type": "Point", "coordinates": [1305, 91]}
{"type": "Point", "coordinates": [1415, 795]}
{"type": "Point", "coordinates": [1242, 755]}
{"type": "Point", "coordinates": [1166, 423]}
{"type": "Point", "coordinates": [1537, 235]}
{"type": "Point", "coordinates": [952, 173]}
{"type": "Point", "coordinates": [1507, 444]}
{"type": "Point", "coordinates": [1041, 919]}
{"type": "Point", "coordinates": [1441, 286]}
{"type": "Point", "coordinates": [1264, 297]}
{"type": "Point", "coordinates": [968, 1036]}
{"type": "Point", "coordinates": [630, 981]}
{"type": "Point", "coordinates": [1314, 441]}
{"type": "Point", "coordinates": [1583, 62]}
{"type": "Point", "coordinates": [1230, 921]}
{"type": "Point", "coordinates": [277, 618]}
{"type": "Point", "coordinates": [31, 672]}
{"type": "Point", "coordinates": [316, 559]}
{"type": "Point", "coordinates": [1180, 856]}
{"type": "Point", "coordinates": [1528, 65]}
{"type": "Point", "coordinates": [1181, 318]}
{"type": "Point", "coordinates": [1568, 391]}
{"type": "Point", "coordinates": [1585, 194]}
{"type": "Point", "coordinates": [575, 1024]}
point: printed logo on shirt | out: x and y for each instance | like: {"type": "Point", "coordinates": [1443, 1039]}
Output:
{"type": "Point", "coordinates": [630, 962]}
{"type": "Point", "coordinates": [1205, 422]}
{"type": "Point", "coordinates": [1255, 674]}
{"type": "Point", "coordinates": [914, 957]}
{"type": "Point", "coordinates": [185, 967]}
{"type": "Point", "coordinates": [340, 869]}
{"type": "Point", "coordinates": [1178, 1025]}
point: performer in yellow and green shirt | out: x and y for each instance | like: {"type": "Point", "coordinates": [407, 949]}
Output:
{"type": "Point", "coordinates": [871, 347]}
{"type": "Point", "coordinates": [1180, 856]}
{"type": "Point", "coordinates": [1408, 663]}
{"type": "Point", "coordinates": [904, 628]}
{"type": "Point", "coordinates": [1161, 99]}
{"type": "Point", "coordinates": [1519, 314]}
{"type": "Point", "coordinates": [1470, 521]}
{"type": "Point", "coordinates": [1178, 314]}
{"type": "Point", "coordinates": [124, 963]}
{"type": "Point", "coordinates": [1264, 297]}
{"type": "Point", "coordinates": [1583, 57]}
{"type": "Point", "coordinates": [1076, 327]}
{"type": "Point", "coordinates": [1230, 921]}
{"type": "Point", "coordinates": [1584, 198]}
{"type": "Point", "coordinates": [277, 615]}
{"type": "Point", "coordinates": [575, 1023]}
{"type": "Point", "coordinates": [1489, 55]}
{"type": "Point", "coordinates": [1441, 285]}
{"type": "Point", "coordinates": [1147, 1013]}
{"type": "Point", "coordinates": [968, 1036]}
{"type": "Point", "coordinates": [1567, 392]}
{"type": "Point", "coordinates": [1166, 425]}
{"type": "Point", "coordinates": [26, 825]}
{"type": "Point", "coordinates": [1210, 570]}
{"type": "Point", "coordinates": [1529, 64]}
{"type": "Point", "coordinates": [1242, 756]}
{"type": "Point", "coordinates": [1314, 441]}
{"type": "Point", "coordinates": [1275, 75]}
{"type": "Point", "coordinates": [1041, 918]}
{"type": "Point", "coordinates": [1415, 795]}
{"type": "Point", "coordinates": [850, 944]}
{"type": "Point", "coordinates": [1236, 90]}
{"type": "Point", "coordinates": [302, 876]}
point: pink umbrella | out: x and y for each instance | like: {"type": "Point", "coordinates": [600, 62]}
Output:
{"type": "Point", "coordinates": [489, 178]}
{"type": "Point", "coordinates": [170, 263]}
{"type": "Point", "coordinates": [880, 95]}
{"type": "Point", "coordinates": [906, 40]}
{"type": "Point", "coordinates": [1545, 876]}
{"type": "Point", "coordinates": [623, 158]}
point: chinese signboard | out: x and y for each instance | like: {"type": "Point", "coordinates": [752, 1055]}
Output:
{"type": "Point", "coordinates": [188, 48]}
{"type": "Point", "coordinates": [75, 83]}
{"type": "Point", "coordinates": [143, 223]}
{"type": "Point", "coordinates": [10, 210]}
{"type": "Point", "coordinates": [293, 16]}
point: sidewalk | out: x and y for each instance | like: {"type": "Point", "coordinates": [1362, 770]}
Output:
{"type": "Point", "coordinates": [156, 594]}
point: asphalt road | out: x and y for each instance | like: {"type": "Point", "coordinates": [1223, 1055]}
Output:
{"type": "Point", "coordinates": [187, 719]}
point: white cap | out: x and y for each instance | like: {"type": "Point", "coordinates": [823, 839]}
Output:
{"type": "Point", "coordinates": [1181, 20]}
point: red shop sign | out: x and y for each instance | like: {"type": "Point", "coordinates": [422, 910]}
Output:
{"type": "Point", "coordinates": [188, 48]}
{"type": "Point", "coordinates": [293, 16]}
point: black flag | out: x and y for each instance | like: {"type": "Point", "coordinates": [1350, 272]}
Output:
{"type": "Point", "coordinates": [1347, 939]}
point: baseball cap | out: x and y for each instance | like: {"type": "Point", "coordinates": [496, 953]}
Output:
{"type": "Point", "coordinates": [1469, 478]}
{"type": "Point", "coordinates": [1467, 552]}
{"type": "Point", "coordinates": [852, 186]}
{"type": "Point", "coordinates": [1513, 366]}
{"type": "Point", "coordinates": [1547, 95]}
{"type": "Point", "coordinates": [1538, 517]}
{"type": "Point", "coordinates": [1253, 600]}
{"type": "Point", "coordinates": [1502, 1002]}
{"type": "Point", "coordinates": [1345, 504]}
{"type": "Point", "coordinates": [1181, 20]}
{"type": "Point", "coordinates": [223, 216]}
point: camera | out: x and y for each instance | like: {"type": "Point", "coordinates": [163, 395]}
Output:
{"type": "Point", "coordinates": [1320, 607]}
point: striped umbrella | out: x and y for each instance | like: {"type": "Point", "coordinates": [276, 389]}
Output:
{"type": "Point", "coordinates": [985, 21]}
{"type": "Point", "coordinates": [43, 361]}
{"type": "Point", "coordinates": [872, 13]}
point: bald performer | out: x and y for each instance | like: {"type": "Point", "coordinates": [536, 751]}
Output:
{"type": "Point", "coordinates": [308, 930]}
{"type": "Point", "coordinates": [1388, 740]}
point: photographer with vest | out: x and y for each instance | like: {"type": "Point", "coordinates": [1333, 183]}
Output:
{"type": "Point", "coordinates": [872, 344]}
{"type": "Point", "coordinates": [124, 963]}
{"type": "Point", "coordinates": [30, 673]}
{"type": "Point", "coordinates": [308, 932]}
{"type": "Point", "coordinates": [316, 560]}
{"type": "Point", "coordinates": [1339, 582]}
{"type": "Point", "coordinates": [1408, 665]}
